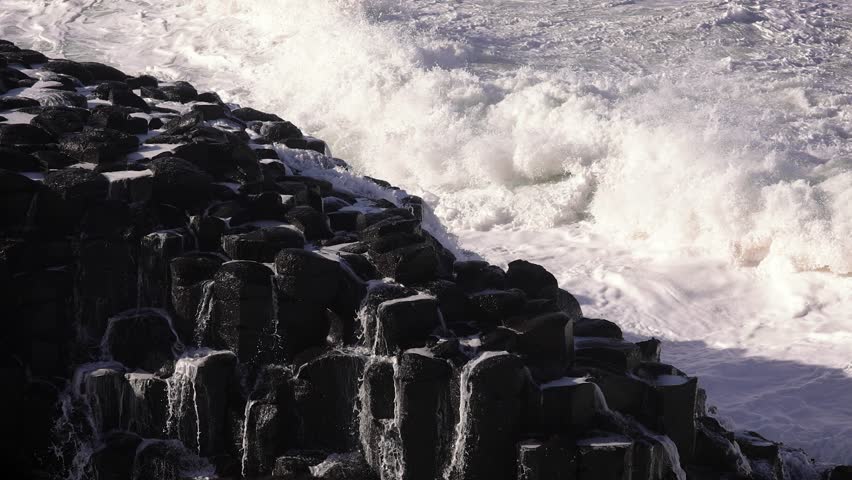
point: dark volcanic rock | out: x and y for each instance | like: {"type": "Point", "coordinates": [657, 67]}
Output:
{"type": "Point", "coordinates": [250, 114]}
{"type": "Point", "coordinates": [243, 309]}
{"type": "Point", "coordinates": [103, 90]}
{"type": "Point", "coordinates": [78, 188]}
{"type": "Point", "coordinates": [98, 145]}
{"type": "Point", "coordinates": [474, 276]}
{"type": "Point", "coordinates": [60, 120]}
{"type": "Point", "coordinates": [73, 69]}
{"type": "Point", "coordinates": [22, 134]}
{"type": "Point", "coordinates": [404, 323]}
{"type": "Point", "coordinates": [15, 160]}
{"type": "Point", "coordinates": [178, 182]}
{"type": "Point", "coordinates": [529, 277]}
{"type": "Point", "coordinates": [279, 131]}
{"type": "Point", "coordinates": [426, 417]}
{"type": "Point", "coordinates": [67, 99]}
{"type": "Point", "coordinates": [225, 162]}
{"type": "Point", "coordinates": [262, 245]}
{"type": "Point", "coordinates": [141, 339]}
{"type": "Point", "coordinates": [11, 103]}
{"type": "Point", "coordinates": [308, 276]}
{"type": "Point", "coordinates": [128, 99]}
{"type": "Point", "coordinates": [326, 393]}
{"type": "Point", "coordinates": [312, 223]}
{"type": "Point", "coordinates": [181, 92]}
{"type": "Point", "coordinates": [101, 72]}
{"type": "Point", "coordinates": [596, 327]}
{"type": "Point", "coordinates": [141, 81]}
{"type": "Point", "coordinates": [486, 448]}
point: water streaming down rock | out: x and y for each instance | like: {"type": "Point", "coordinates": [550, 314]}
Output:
{"type": "Point", "coordinates": [483, 438]}
{"type": "Point", "coordinates": [202, 316]}
{"type": "Point", "coordinates": [198, 395]}
{"type": "Point", "coordinates": [76, 433]}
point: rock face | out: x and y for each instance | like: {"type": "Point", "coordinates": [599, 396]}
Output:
{"type": "Point", "coordinates": [233, 307]}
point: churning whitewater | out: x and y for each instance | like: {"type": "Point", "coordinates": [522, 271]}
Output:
{"type": "Point", "coordinates": [684, 166]}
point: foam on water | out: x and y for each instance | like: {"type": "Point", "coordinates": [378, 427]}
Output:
{"type": "Point", "coordinates": [721, 135]}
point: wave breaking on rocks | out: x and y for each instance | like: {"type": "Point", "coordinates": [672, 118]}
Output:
{"type": "Point", "coordinates": [200, 290]}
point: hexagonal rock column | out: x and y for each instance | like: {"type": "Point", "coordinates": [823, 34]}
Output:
{"type": "Point", "coordinates": [105, 283]}
{"type": "Point", "coordinates": [192, 294]}
{"type": "Point", "coordinates": [168, 460]}
{"type": "Point", "coordinates": [604, 456]}
{"type": "Point", "coordinates": [141, 339]}
{"type": "Point", "coordinates": [376, 419]}
{"type": "Point", "coordinates": [243, 308]}
{"type": "Point", "coordinates": [146, 397]}
{"type": "Point", "coordinates": [403, 323]}
{"type": "Point", "coordinates": [425, 416]}
{"type": "Point", "coordinates": [546, 460]}
{"type": "Point", "coordinates": [547, 343]}
{"type": "Point", "coordinates": [307, 284]}
{"type": "Point", "coordinates": [670, 408]}
{"type": "Point", "coordinates": [567, 404]}
{"type": "Point", "coordinates": [326, 391]}
{"type": "Point", "coordinates": [156, 251]}
{"type": "Point", "coordinates": [493, 391]}
{"type": "Point", "coordinates": [198, 392]}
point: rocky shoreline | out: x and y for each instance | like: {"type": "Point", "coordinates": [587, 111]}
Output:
{"type": "Point", "coordinates": [195, 289]}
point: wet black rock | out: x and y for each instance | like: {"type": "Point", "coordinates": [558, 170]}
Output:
{"type": "Point", "coordinates": [128, 99]}
{"type": "Point", "coordinates": [73, 69]}
{"type": "Point", "coordinates": [249, 114]}
{"type": "Point", "coordinates": [474, 276]}
{"type": "Point", "coordinates": [141, 81]}
{"type": "Point", "coordinates": [23, 56]}
{"type": "Point", "coordinates": [529, 277]}
{"type": "Point", "coordinates": [104, 89]}
{"type": "Point", "coordinates": [101, 72]}
{"type": "Point", "coordinates": [546, 459]}
{"type": "Point", "coordinates": [22, 134]}
{"type": "Point", "coordinates": [12, 103]}
{"type": "Point", "coordinates": [225, 162]}
{"type": "Point", "coordinates": [181, 92]}
{"type": "Point", "coordinates": [61, 120]}
{"type": "Point", "coordinates": [178, 182]}
{"type": "Point", "coordinates": [326, 392]}
{"type": "Point", "coordinates": [426, 416]}
{"type": "Point", "coordinates": [262, 245]}
{"type": "Point", "coordinates": [210, 111]}
{"type": "Point", "coordinates": [141, 339]}
{"type": "Point", "coordinates": [312, 223]}
{"type": "Point", "coordinates": [278, 131]}
{"type": "Point", "coordinates": [717, 448]}
{"type": "Point", "coordinates": [597, 327]}
{"type": "Point", "coordinates": [243, 310]}
{"type": "Point", "coordinates": [98, 145]}
{"type": "Point", "coordinates": [404, 323]}
{"type": "Point", "coordinates": [15, 160]}
{"type": "Point", "coordinates": [78, 188]}
{"type": "Point", "coordinates": [490, 428]}
{"type": "Point", "coordinates": [67, 99]}
{"type": "Point", "coordinates": [409, 264]}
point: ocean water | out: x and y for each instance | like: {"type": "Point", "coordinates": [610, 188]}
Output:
{"type": "Point", "coordinates": [683, 166]}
